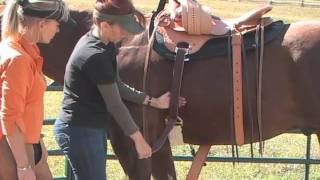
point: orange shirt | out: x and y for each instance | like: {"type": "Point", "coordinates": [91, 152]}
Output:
{"type": "Point", "coordinates": [22, 85]}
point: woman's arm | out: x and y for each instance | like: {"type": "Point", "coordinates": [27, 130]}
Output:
{"type": "Point", "coordinates": [119, 111]}
{"type": "Point", "coordinates": [18, 147]}
{"type": "Point", "coordinates": [130, 94]}
{"type": "Point", "coordinates": [115, 106]}
{"type": "Point", "coordinates": [19, 151]}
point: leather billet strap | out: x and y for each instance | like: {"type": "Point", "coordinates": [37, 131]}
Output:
{"type": "Point", "coordinates": [237, 87]}
{"type": "Point", "coordinates": [181, 52]}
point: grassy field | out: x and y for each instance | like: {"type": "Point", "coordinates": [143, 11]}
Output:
{"type": "Point", "coordinates": [287, 145]}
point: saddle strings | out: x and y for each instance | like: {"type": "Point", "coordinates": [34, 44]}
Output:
{"type": "Point", "coordinates": [259, 55]}
{"type": "Point", "coordinates": [260, 74]}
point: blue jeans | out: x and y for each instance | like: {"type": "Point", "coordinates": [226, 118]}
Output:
{"type": "Point", "coordinates": [85, 149]}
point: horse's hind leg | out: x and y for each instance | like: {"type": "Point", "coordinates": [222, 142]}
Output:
{"type": "Point", "coordinates": [162, 164]}
{"type": "Point", "coordinates": [198, 162]}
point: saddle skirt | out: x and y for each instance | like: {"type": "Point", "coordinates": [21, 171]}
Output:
{"type": "Point", "coordinates": [203, 46]}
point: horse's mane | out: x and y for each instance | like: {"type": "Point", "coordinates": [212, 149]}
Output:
{"type": "Point", "coordinates": [141, 39]}
{"type": "Point", "coordinates": [136, 40]}
{"type": "Point", "coordinates": [83, 19]}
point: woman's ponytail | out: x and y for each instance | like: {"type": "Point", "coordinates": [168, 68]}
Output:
{"type": "Point", "coordinates": [10, 20]}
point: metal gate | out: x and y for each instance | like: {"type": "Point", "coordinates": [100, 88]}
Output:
{"type": "Point", "coordinates": [307, 161]}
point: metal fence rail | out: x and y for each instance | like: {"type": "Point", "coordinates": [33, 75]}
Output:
{"type": "Point", "coordinates": [307, 161]}
{"type": "Point", "coordinates": [302, 3]}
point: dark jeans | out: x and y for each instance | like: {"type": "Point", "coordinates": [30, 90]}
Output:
{"type": "Point", "coordinates": [85, 149]}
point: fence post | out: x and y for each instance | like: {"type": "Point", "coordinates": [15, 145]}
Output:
{"type": "Point", "coordinates": [67, 170]}
{"type": "Point", "coordinates": [307, 170]}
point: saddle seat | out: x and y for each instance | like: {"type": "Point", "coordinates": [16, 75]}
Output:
{"type": "Point", "coordinates": [244, 24]}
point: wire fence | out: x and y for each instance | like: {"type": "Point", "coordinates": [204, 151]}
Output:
{"type": "Point", "coordinates": [307, 160]}
{"type": "Point", "coordinates": [302, 3]}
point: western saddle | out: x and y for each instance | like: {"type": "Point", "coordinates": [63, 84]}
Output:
{"type": "Point", "coordinates": [188, 21]}
{"type": "Point", "coordinates": [186, 26]}
{"type": "Point", "coordinates": [197, 31]}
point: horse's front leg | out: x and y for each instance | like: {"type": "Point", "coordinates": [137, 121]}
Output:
{"type": "Point", "coordinates": [124, 149]}
{"type": "Point", "coordinates": [162, 164]}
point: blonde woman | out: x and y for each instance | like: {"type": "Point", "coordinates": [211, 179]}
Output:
{"type": "Point", "coordinates": [24, 24]}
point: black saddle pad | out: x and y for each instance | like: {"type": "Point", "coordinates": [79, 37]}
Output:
{"type": "Point", "coordinates": [219, 46]}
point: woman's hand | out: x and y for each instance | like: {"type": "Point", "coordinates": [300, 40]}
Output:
{"type": "Point", "coordinates": [163, 101]}
{"type": "Point", "coordinates": [26, 173]}
{"type": "Point", "coordinates": [142, 147]}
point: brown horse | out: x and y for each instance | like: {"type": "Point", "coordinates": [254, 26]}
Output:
{"type": "Point", "coordinates": [290, 91]}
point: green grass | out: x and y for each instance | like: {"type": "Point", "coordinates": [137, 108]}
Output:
{"type": "Point", "coordinates": [288, 13]}
{"type": "Point", "coordinates": [287, 145]}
